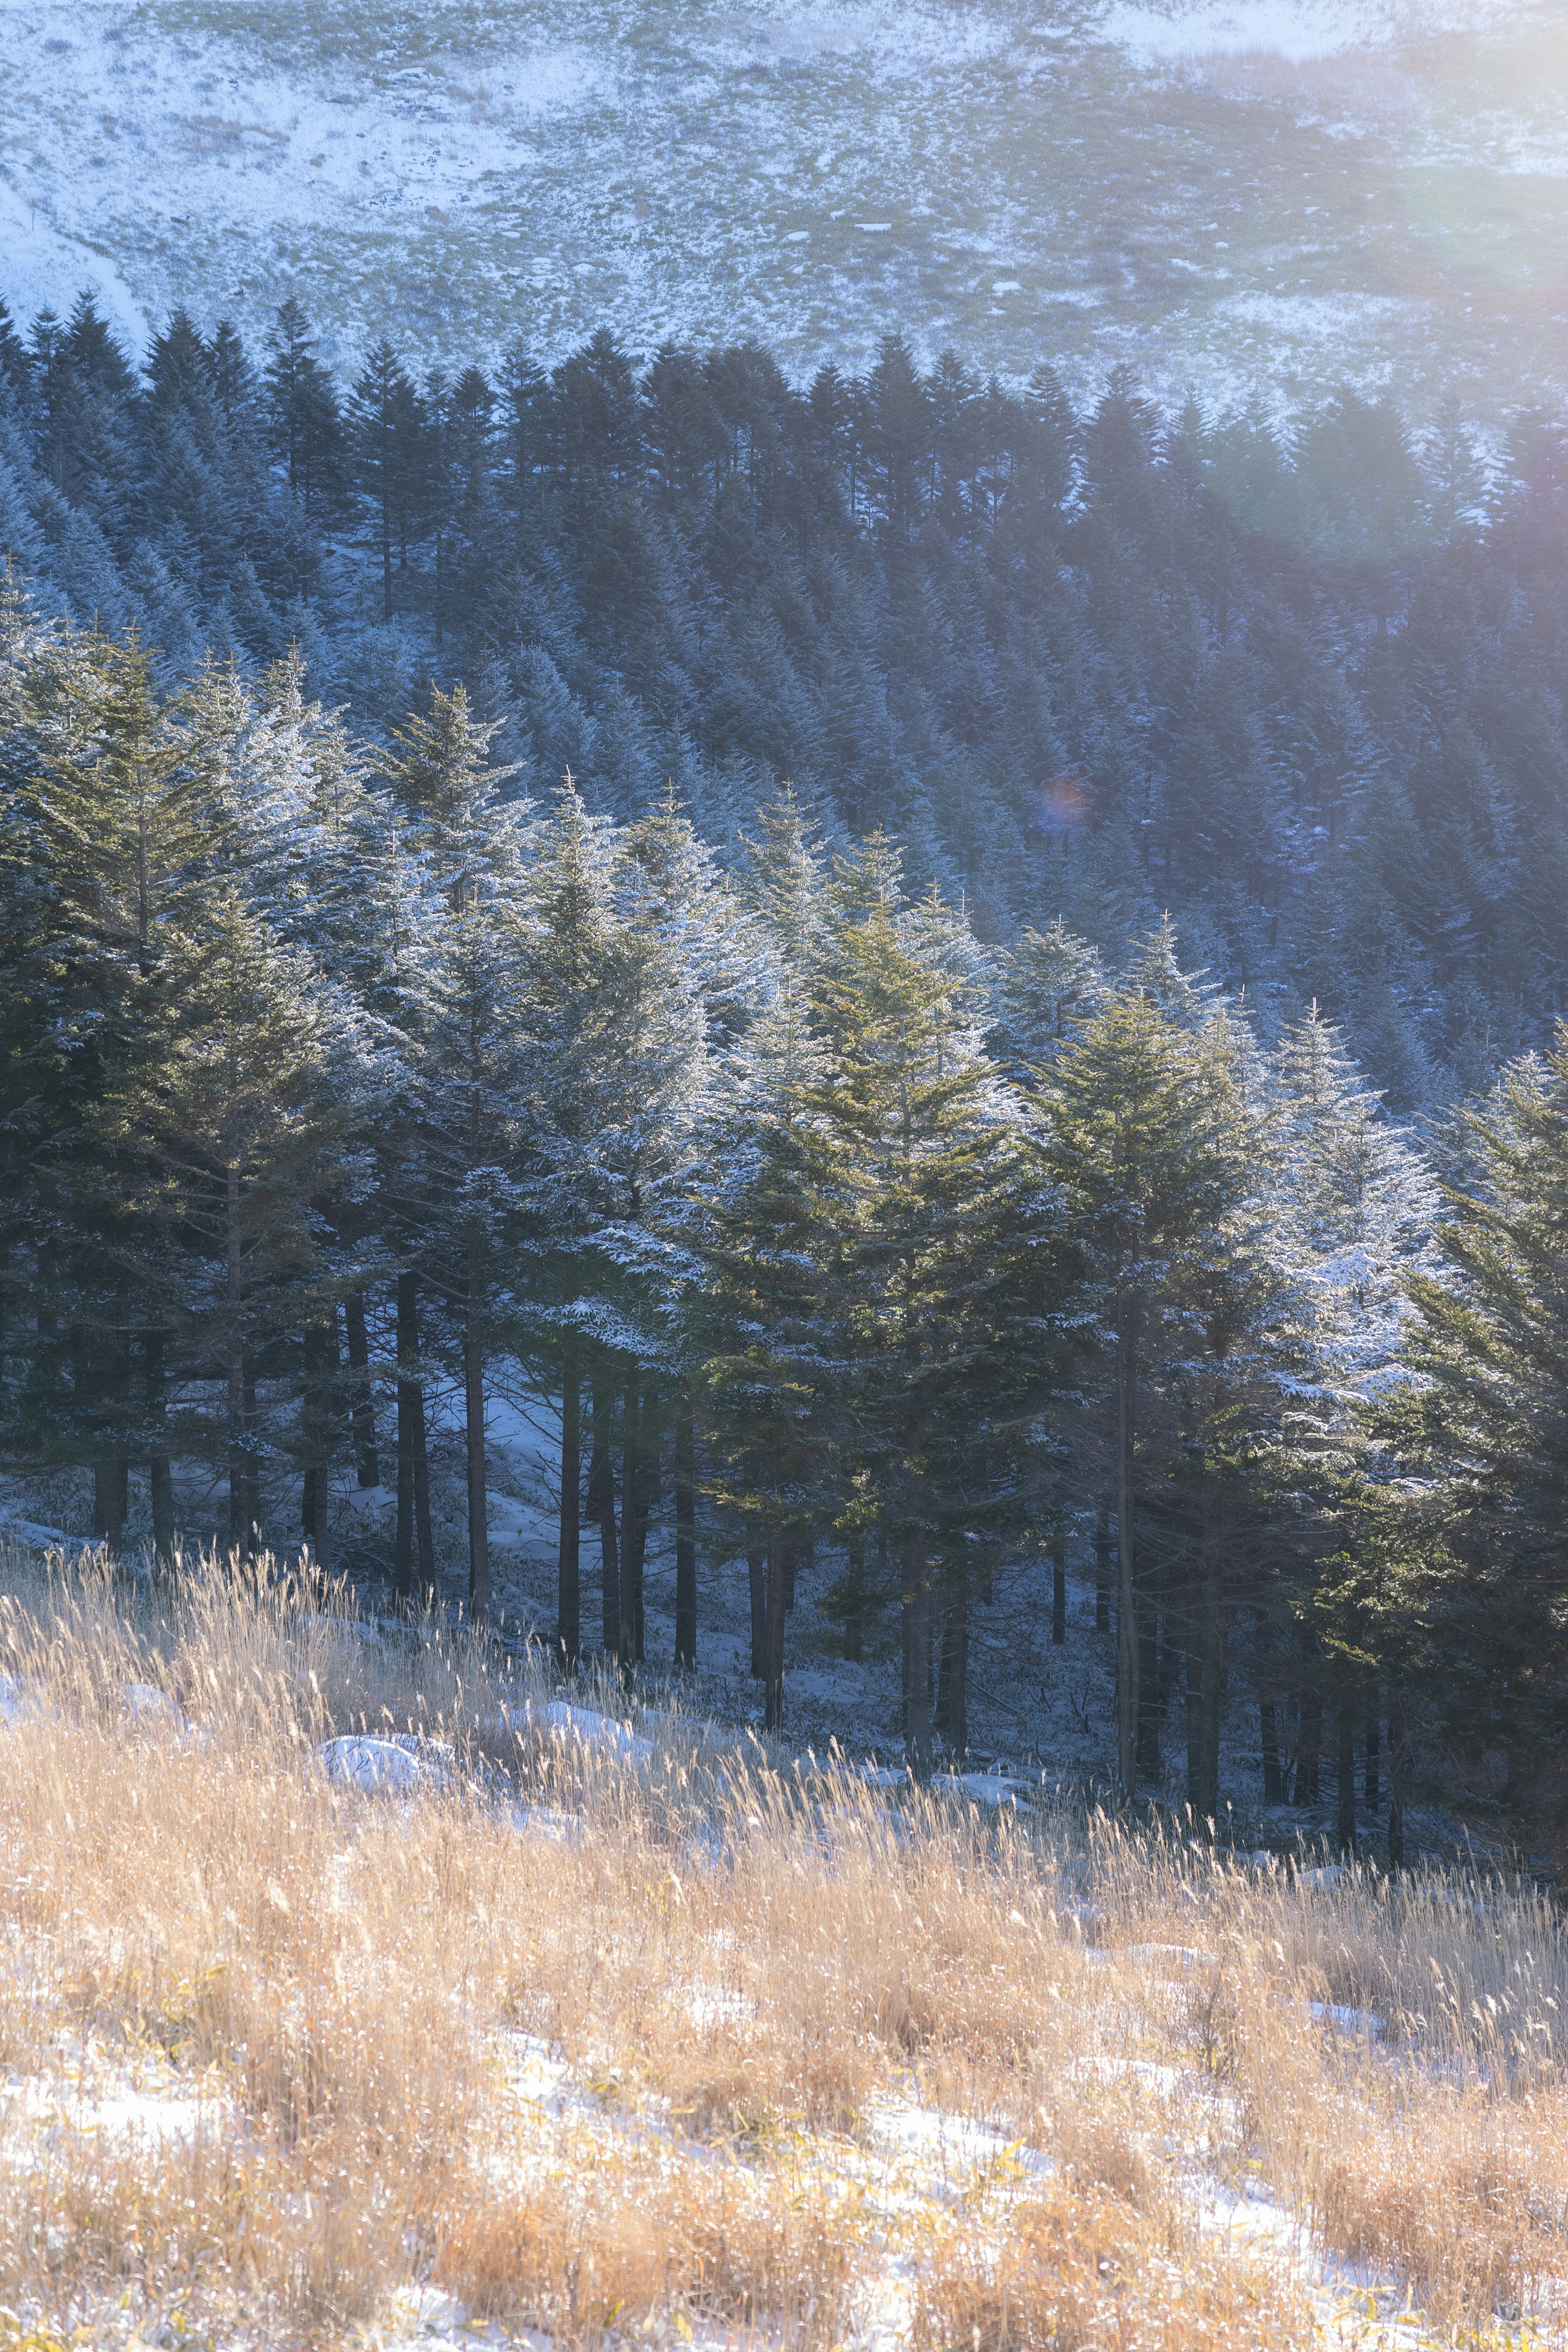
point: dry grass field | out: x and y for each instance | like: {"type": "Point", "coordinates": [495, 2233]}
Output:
{"type": "Point", "coordinates": [697, 2043]}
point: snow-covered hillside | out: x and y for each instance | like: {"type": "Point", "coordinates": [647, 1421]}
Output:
{"type": "Point", "coordinates": [1249, 198]}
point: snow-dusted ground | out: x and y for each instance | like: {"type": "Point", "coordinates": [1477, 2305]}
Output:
{"type": "Point", "coordinates": [1252, 197]}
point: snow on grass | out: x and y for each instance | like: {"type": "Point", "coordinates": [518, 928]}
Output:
{"type": "Point", "coordinates": [95, 2096]}
{"type": "Point", "coordinates": [895, 40]}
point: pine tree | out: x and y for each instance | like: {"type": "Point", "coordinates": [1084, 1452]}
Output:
{"type": "Point", "coordinates": [942, 1252]}
{"type": "Point", "coordinates": [1482, 1426]}
{"type": "Point", "coordinates": [108, 821]}
{"type": "Point", "coordinates": [304, 426]}
{"type": "Point", "coordinates": [1050, 983]}
{"type": "Point", "coordinates": [388, 433]}
{"type": "Point", "coordinates": [179, 365]}
{"type": "Point", "coordinates": [238, 1118]}
{"type": "Point", "coordinates": [576, 1099]}
{"type": "Point", "coordinates": [1147, 1134]}
{"type": "Point", "coordinates": [762, 1230]}
{"type": "Point", "coordinates": [15, 369]}
{"type": "Point", "coordinates": [232, 377]}
{"type": "Point", "coordinates": [458, 1192]}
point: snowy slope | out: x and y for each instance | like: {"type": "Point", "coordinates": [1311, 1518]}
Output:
{"type": "Point", "coordinates": [1241, 193]}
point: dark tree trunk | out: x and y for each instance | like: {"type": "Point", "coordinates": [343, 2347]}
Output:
{"type": "Point", "coordinates": [773, 1688]}
{"type": "Point", "coordinates": [1373, 1791]}
{"type": "Point", "coordinates": [757, 1581]}
{"type": "Point", "coordinates": [1308, 1789]}
{"type": "Point", "coordinates": [361, 1397]}
{"type": "Point", "coordinates": [954, 1686]}
{"type": "Point", "coordinates": [1102, 1570]}
{"type": "Point", "coordinates": [1273, 1778]}
{"type": "Point", "coordinates": [410, 1421]}
{"type": "Point", "coordinates": [474, 1451]}
{"type": "Point", "coordinates": [568, 1572]}
{"type": "Point", "coordinates": [601, 1511]}
{"type": "Point", "coordinates": [917, 1627]}
{"type": "Point", "coordinates": [1149, 1693]}
{"type": "Point", "coordinates": [1203, 1628]}
{"type": "Point", "coordinates": [1192, 1627]}
{"type": "Point", "coordinates": [801, 1555]}
{"type": "Point", "coordinates": [100, 1378]}
{"type": "Point", "coordinates": [647, 1491]}
{"type": "Point", "coordinates": [855, 1597]}
{"type": "Point", "coordinates": [160, 1475]}
{"type": "Point", "coordinates": [1128, 1646]}
{"type": "Point", "coordinates": [1172, 1660]}
{"type": "Point", "coordinates": [1269, 1711]}
{"type": "Point", "coordinates": [1059, 1592]}
{"type": "Point", "coordinates": [90, 1380]}
{"type": "Point", "coordinates": [1396, 1771]}
{"type": "Point", "coordinates": [235, 1401]}
{"type": "Point", "coordinates": [1213, 1677]}
{"type": "Point", "coordinates": [425, 1534]}
{"type": "Point", "coordinates": [685, 1533]}
{"type": "Point", "coordinates": [631, 1465]}
{"type": "Point", "coordinates": [252, 1464]}
{"type": "Point", "coordinates": [116, 1498]}
{"type": "Point", "coordinates": [316, 1432]}
{"type": "Point", "coordinates": [110, 1498]}
{"type": "Point", "coordinates": [1344, 1823]}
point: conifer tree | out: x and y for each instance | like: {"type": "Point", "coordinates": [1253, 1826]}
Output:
{"type": "Point", "coordinates": [942, 1252]}
{"type": "Point", "coordinates": [388, 430]}
{"type": "Point", "coordinates": [15, 369]}
{"type": "Point", "coordinates": [109, 820]}
{"type": "Point", "coordinates": [1049, 983]}
{"type": "Point", "coordinates": [458, 1190]}
{"type": "Point", "coordinates": [1483, 1427]}
{"type": "Point", "coordinates": [304, 425]}
{"type": "Point", "coordinates": [238, 1118]}
{"type": "Point", "coordinates": [1147, 1134]}
{"type": "Point", "coordinates": [568, 952]}
{"type": "Point", "coordinates": [764, 1230]}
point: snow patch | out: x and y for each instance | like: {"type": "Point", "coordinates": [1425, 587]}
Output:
{"type": "Point", "coordinates": [539, 1821]}
{"type": "Point", "coordinates": [1301, 32]}
{"type": "Point", "coordinates": [378, 1767]}
{"type": "Point", "coordinates": [1184, 1957]}
{"type": "Point", "coordinates": [20, 1704]}
{"type": "Point", "coordinates": [992, 1789]}
{"type": "Point", "coordinates": [582, 1728]}
{"type": "Point", "coordinates": [42, 267]}
{"type": "Point", "coordinates": [152, 1710]}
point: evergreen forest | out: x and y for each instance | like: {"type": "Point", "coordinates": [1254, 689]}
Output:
{"type": "Point", "coordinates": [942, 970]}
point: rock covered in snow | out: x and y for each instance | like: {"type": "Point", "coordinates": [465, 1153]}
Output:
{"type": "Point", "coordinates": [992, 1789]}
{"type": "Point", "coordinates": [151, 1709]}
{"type": "Point", "coordinates": [20, 1704]}
{"type": "Point", "coordinates": [540, 1822]}
{"type": "Point", "coordinates": [380, 1767]}
{"type": "Point", "coordinates": [581, 1727]}
{"type": "Point", "coordinates": [31, 1531]}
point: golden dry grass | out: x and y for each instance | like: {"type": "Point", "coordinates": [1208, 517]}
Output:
{"type": "Point", "coordinates": [729, 2044]}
